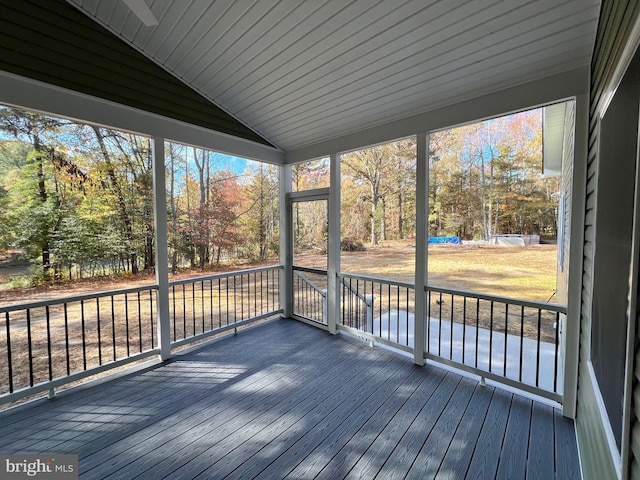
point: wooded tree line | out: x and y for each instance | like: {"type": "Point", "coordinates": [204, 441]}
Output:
{"type": "Point", "coordinates": [484, 179]}
{"type": "Point", "coordinates": [216, 213]}
{"type": "Point", "coordinates": [77, 200]}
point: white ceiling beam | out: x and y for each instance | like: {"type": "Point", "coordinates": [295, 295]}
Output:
{"type": "Point", "coordinates": [38, 96]}
{"type": "Point", "coordinates": [528, 95]}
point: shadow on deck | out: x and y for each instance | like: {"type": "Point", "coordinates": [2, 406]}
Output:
{"type": "Point", "coordinates": [286, 400]}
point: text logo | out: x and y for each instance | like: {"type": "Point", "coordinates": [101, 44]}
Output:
{"type": "Point", "coordinates": [44, 466]}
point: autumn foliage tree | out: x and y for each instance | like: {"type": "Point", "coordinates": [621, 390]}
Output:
{"type": "Point", "coordinates": [485, 179]}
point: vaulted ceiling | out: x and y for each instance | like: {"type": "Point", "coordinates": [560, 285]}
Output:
{"type": "Point", "coordinates": [301, 72]}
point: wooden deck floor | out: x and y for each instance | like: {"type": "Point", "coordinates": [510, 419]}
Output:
{"type": "Point", "coordinates": [286, 400]}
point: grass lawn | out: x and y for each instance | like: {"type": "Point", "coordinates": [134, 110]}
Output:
{"type": "Point", "coordinates": [519, 272]}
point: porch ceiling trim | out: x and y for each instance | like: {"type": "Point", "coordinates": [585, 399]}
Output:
{"type": "Point", "coordinates": [32, 94]}
{"type": "Point", "coordinates": [528, 95]}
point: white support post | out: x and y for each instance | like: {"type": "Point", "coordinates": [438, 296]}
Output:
{"type": "Point", "coordinates": [286, 242]}
{"type": "Point", "coordinates": [571, 330]}
{"type": "Point", "coordinates": [422, 209]}
{"type": "Point", "coordinates": [333, 260]}
{"type": "Point", "coordinates": [161, 253]}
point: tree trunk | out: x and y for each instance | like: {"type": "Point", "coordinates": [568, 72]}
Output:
{"type": "Point", "coordinates": [174, 213]}
{"type": "Point", "coordinates": [374, 207]}
{"type": "Point", "coordinates": [122, 207]}
{"type": "Point", "coordinates": [42, 194]}
{"type": "Point", "coordinates": [400, 219]}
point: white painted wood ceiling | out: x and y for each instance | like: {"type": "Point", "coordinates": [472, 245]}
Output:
{"type": "Point", "coordinates": [303, 71]}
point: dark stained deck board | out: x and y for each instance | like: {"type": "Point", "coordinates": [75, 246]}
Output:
{"type": "Point", "coordinates": [219, 429]}
{"type": "Point", "coordinates": [314, 462]}
{"type": "Point", "coordinates": [484, 462]}
{"type": "Point", "coordinates": [323, 417]}
{"type": "Point", "coordinates": [275, 441]}
{"type": "Point", "coordinates": [226, 451]}
{"type": "Point", "coordinates": [313, 440]}
{"type": "Point", "coordinates": [513, 458]}
{"type": "Point", "coordinates": [378, 452]}
{"type": "Point", "coordinates": [138, 387]}
{"type": "Point", "coordinates": [166, 401]}
{"type": "Point", "coordinates": [566, 448]}
{"type": "Point", "coordinates": [437, 443]}
{"type": "Point", "coordinates": [175, 435]}
{"type": "Point", "coordinates": [456, 461]}
{"type": "Point", "coordinates": [344, 461]}
{"type": "Point", "coordinates": [541, 443]}
{"type": "Point", "coordinates": [284, 399]}
{"type": "Point", "coordinates": [405, 452]}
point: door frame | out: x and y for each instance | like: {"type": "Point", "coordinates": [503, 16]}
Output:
{"type": "Point", "coordinates": [318, 194]}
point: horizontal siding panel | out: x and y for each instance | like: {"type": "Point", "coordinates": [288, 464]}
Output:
{"type": "Point", "coordinates": [592, 183]}
{"type": "Point", "coordinates": [605, 49]}
{"type": "Point", "coordinates": [52, 42]}
{"type": "Point", "coordinates": [615, 21]}
{"type": "Point", "coordinates": [590, 202]}
{"type": "Point", "coordinates": [588, 263]}
{"type": "Point", "coordinates": [623, 20]}
{"type": "Point", "coordinates": [635, 447]}
{"type": "Point", "coordinates": [127, 82]}
{"type": "Point", "coordinates": [589, 234]}
{"type": "Point", "coordinates": [85, 34]}
{"type": "Point", "coordinates": [588, 255]}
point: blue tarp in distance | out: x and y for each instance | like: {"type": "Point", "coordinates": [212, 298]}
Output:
{"type": "Point", "coordinates": [455, 240]}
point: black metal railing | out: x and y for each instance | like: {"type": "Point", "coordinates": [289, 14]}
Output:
{"type": "Point", "coordinates": [206, 305]}
{"type": "Point", "coordinates": [378, 307]}
{"type": "Point", "coordinates": [46, 344]}
{"type": "Point", "coordinates": [310, 294]}
{"type": "Point", "coordinates": [43, 342]}
{"type": "Point", "coordinates": [510, 340]}
{"type": "Point", "coordinates": [513, 341]}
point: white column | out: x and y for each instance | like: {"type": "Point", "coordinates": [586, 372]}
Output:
{"type": "Point", "coordinates": [162, 260]}
{"type": "Point", "coordinates": [571, 331]}
{"type": "Point", "coordinates": [286, 242]}
{"type": "Point", "coordinates": [333, 260]}
{"type": "Point", "coordinates": [422, 215]}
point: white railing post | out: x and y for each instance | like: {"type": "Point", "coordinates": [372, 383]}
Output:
{"type": "Point", "coordinates": [333, 260]}
{"type": "Point", "coordinates": [422, 209]}
{"type": "Point", "coordinates": [285, 287]}
{"type": "Point", "coordinates": [324, 306]}
{"type": "Point", "coordinates": [161, 254]}
{"type": "Point", "coordinates": [368, 301]}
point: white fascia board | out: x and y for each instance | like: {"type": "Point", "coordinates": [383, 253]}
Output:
{"type": "Point", "coordinates": [528, 95]}
{"type": "Point", "coordinates": [31, 94]}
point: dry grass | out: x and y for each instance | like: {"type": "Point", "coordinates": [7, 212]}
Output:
{"type": "Point", "coordinates": [78, 335]}
{"type": "Point", "coordinates": [519, 272]}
